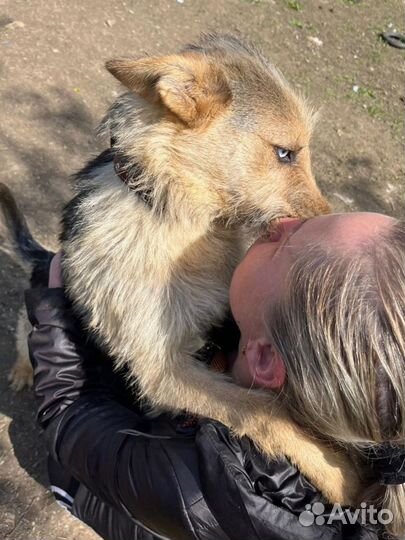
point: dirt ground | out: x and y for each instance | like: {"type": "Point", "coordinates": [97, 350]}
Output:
{"type": "Point", "coordinates": [54, 90]}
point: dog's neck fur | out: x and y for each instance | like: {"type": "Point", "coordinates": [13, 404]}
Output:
{"type": "Point", "coordinates": [129, 173]}
{"type": "Point", "coordinates": [149, 164]}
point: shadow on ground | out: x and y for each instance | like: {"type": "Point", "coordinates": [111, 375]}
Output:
{"type": "Point", "coordinates": [61, 134]}
{"type": "Point", "coordinates": [355, 185]}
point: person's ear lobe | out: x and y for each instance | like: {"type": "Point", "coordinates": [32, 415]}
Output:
{"type": "Point", "coordinates": [265, 365]}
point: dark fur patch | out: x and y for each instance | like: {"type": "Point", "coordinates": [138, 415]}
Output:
{"type": "Point", "coordinates": [89, 170]}
{"type": "Point", "coordinates": [71, 221]}
{"type": "Point", "coordinates": [29, 249]}
{"type": "Point", "coordinates": [40, 272]}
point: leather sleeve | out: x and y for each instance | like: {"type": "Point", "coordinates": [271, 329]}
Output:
{"type": "Point", "coordinates": [259, 499]}
{"type": "Point", "coordinates": [151, 479]}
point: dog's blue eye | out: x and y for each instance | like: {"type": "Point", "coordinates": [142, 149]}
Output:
{"type": "Point", "coordinates": [284, 155]}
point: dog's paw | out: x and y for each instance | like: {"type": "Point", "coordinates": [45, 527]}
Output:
{"type": "Point", "coordinates": [21, 376]}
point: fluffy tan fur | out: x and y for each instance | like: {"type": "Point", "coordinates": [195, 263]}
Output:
{"type": "Point", "coordinates": [204, 126]}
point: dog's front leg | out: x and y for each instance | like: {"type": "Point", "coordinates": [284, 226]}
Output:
{"type": "Point", "coordinates": [186, 384]}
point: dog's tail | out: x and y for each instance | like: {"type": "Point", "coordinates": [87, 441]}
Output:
{"type": "Point", "coordinates": [15, 237]}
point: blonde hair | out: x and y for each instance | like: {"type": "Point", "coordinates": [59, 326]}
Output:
{"type": "Point", "coordinates": [340, 329]}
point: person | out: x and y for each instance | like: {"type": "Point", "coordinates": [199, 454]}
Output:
{"type": "Point", "coordinates": [320, 307]}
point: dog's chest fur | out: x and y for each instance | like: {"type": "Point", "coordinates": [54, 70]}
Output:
{"type": "Point", "coordinates": [138, 280]}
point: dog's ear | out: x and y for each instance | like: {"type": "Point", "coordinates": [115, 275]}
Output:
{"type": "Point", "coordinates": [189, 85]}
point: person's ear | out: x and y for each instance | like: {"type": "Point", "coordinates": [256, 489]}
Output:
{"type": "Point", "coordinates": [266, 367]}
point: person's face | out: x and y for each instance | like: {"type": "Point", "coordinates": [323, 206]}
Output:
{"type": "Point", "coordinates": [260, 280]}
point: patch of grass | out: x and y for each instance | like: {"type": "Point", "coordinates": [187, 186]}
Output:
{"type": "Point", "coordinates": [344, 80]}
{"type": "Point", "coordinates": [377, 29]}
{"type": "Point", "coordinates": [398, 126]}
{"type": "Point", "coordinates": [331, 92]}
{"type": "Point", "coordinates": [374, 110]}
{"type": "Point", "coordinates": [366, 97]}
{"type": "Point", "coordinates": [375, 56]}
{"type": "Point", "coordinates": [364, 91]}
{"type": "Point", "coordinates": [295, 5]}
{"type": "Point", "coordinates": [351, 2]}
{"type": "Point", "coordinates": [297, 24]}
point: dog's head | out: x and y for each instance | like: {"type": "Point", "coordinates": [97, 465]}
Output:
{"type": "Point", "coordinates": [219, 126]}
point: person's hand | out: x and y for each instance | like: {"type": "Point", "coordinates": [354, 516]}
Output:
{"type": "Point", "coordinates": [55, 272]}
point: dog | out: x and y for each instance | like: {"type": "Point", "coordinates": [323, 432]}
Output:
{"type": "Point", "coordinates": [209, 146]}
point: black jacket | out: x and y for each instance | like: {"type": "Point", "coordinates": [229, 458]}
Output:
{"type": "Point", "coordinates": [137, 478]}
